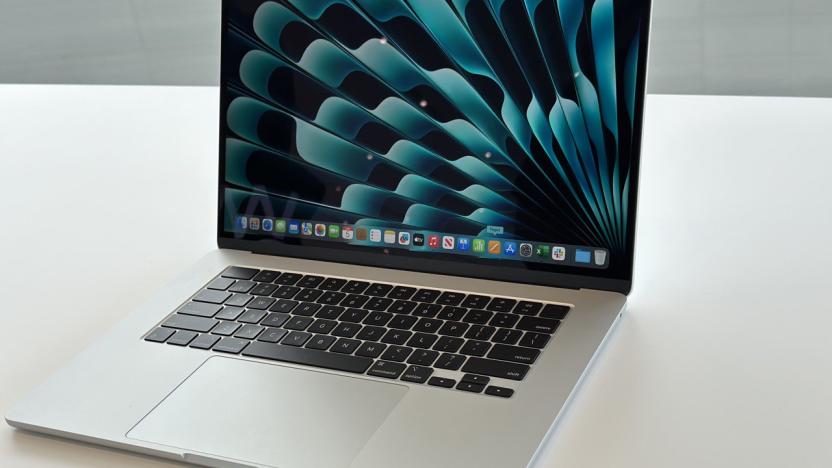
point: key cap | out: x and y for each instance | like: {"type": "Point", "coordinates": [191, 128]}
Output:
{"type": "Point", "coordinates": [345, 346]}
{"type": "Point", "coordinates": [402, 307]}
{"type": "Point", "coordinates": [187, 322]}
{"type": "Point", "coordinates": [478, 316]}
{"type": "Point", "coordinates": [252, 316]}
{"type": "Point", "coordinates": [204, 341]}
{"type": "Point", "coordinates": [353, 315]}
{"type": "Point", "coordinates": [331, 298]}
{"type": "Point", "coordinates": [321, 342]}
{"type": "Point", "coordinates": [309, 295]}
{"type": "Point", "coordinates": [310, 281]}
{"type": "Point", "coordinates": [499, 369]}
{"type": "Point", "coordinates": [554, 312]}
{"type": "Point", "coordinates": [387, 370]}
{"type": "Point", "coordinates": [539, 325]}
{"type": "Point", "coordinates": [220, 284]}
{"type": "Point", "coordinates": [284, 305]}
{"type": "Point", "coordinates": [475, 348]}
{"type": "Point", "coordinates": [242, 287]}
{"type": "Point", "coordinates": [288, 279]}
{"type": "Point", "coordinates": [501, 304]}
{"type": "Point", "coordinates": [442, 382]}
{"type": "Point", "coordinates": [422, 340]}
{"type": "Point", "coordinates": [309, 357]}
{"type": "Point", "coordinates": [449, 344]}
{"type": "Point", "coordinates": [514, 353]}
{"type": "Point", "coordinates": [396, 353]}
{"type": "Point", "coordinates": [450, 361]}
{"type": "Point", "coordinates": [200, 309]}
{"type": "Point", "coordinates": [477, 379]}
{"type": "Point", "coordinates": [453, 329]}
{"type": "Point", "coordinates": [379, 319]}
{"type": "Point", "coordinates": [296, 338]}
{"type": "Point", "coordinates": [427, 325]}
{"type": "Point", "coordinates": [229, 313]}
{"type": "Point", "coordinates": [307, 309]}
{"type": "Point", "coordinates": [323, 326]}
{"type": "Point", "coordinates": [226, 328]}
{"type": "Point", "coordinates": [260, 303]}
{"type": "Point", "coordinates": [450, 298]}
{"type": "Point", "coordinates": [426, 295]}
{"type": "Point", "coordinates": [528, 308]}
{"type": "Point", "coordinates": [332, 284]}
{"type": "Point", "coordinates": [263, 289]}
{"type": "Point", "coordinates": [355, 300]}
{"type": "Point", "coordinates": [266, 276]}
{"type": "Point", "coordinates": [239, 300]}
{"type": "Point", "coordinates": [212, 297]}
{"type": "Point", "coordinates": [249, 332]}
{"type": "Point", "coordinates": [506, 336]}
{"type": "Point", "coordinates": [159, 335]}
{"type": "Point", "coordinates": [330, 312]}
{"type": "Point", "coordinates": [454, 314]}
{"type": "Point", "coordinates": [355, 287]}
{"type": "Point", "coordinates": [470, 387]}
{"type": "Point", "coordinates": [239, 273]}
{"type": "Point", "coordinates": [402, 292]}
{"type": "Point", "coordinates": [298, 323]}
{"type": "Point", "coordinates": [286, 292]}
{"type": "Point", "coordinates": [347, 330]}
{"type": "Point", "coordinates": [272, 335]}
{"type": "Point", "coordinates": [504, 320]}
{"type": "Point", "coordinates": [480, 332]}
{"type": "Point", "coordinates": [426, 310]}
{"type": "Point", "coordinates": [475, 301]}
{"type": "Point", "coordinates": [378, 303]}
{"type": "Point", "coordinates": [396, 337]}
{"type": "Point", "coordinates": [535, 340]}
{"type": "Point", "coordinates": [417, 374]}
{"type": "Point", "coordinates": [378, 289]}
{"type": "Point", "coordinates": [369, 333]}
{"type": "Point", "coordinates": [499, 391]}
{"type": "Point", "coordinates": [231, 345]}
{"type": "Point", "coordinates": [275, 320]}
{"type": "Point", "coordinates": [402, 322]}
{"type": "Point", "coordinates": [370, 350]}
{"type": "Point", "coordinates": [423, 357]}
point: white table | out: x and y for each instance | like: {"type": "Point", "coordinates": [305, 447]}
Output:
{"type": "Point", "coordinates": [723, 360]}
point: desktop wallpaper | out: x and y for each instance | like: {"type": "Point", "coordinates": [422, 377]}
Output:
{"type": "Point", "coordinates": [517, 118]}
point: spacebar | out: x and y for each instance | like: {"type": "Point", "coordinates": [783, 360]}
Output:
{"type": "Point", "coordinates": [309, 357]}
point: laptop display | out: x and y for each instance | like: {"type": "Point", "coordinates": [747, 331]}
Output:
{"type": "Point", "coordinates": [499, 138]}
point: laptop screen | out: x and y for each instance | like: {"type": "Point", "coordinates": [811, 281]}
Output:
{"type": "Point", "coordinates": [489, 137]}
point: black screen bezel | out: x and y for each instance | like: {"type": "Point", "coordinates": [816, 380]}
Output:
{"type": "Point", "coordinates": [322, 251]}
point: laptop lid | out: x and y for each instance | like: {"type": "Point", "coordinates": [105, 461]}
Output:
{"type": "Point", "coordinates": [495, 139]}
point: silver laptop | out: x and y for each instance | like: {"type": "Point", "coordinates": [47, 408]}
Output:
{"type": "Point", "coordinates": [426, 229]}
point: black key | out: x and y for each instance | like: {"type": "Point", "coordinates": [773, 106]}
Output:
{"type": "Point", "coordinates": [370, 350]}
{"type": "Point", "coordinates": [252, 316]}
{"type": "Point", "coordinates": [528, 308]}
{"type": "Point", "coordinates": [249, 332]}
{"type": "Point", "coordinates": [307, 309]}
{"type": "Point", "coordinates": [450, 298]}
{"type": "Point", "coordinates": [504, 320]}
{"type": "Point", "coordinates": [539, 325]}
{"type": "Point", "coordinates": [272, 335]}
{"type": "Point", "coordinates": [204, 341]}
{"type": "Point", "coordinates": [378, 289]}
{"type": "Point", "coordinates": [453, 329]}
{"type": "Point", "coordinates": [397, 337]}
{"type": "Point", "coordinates": [378, 319]}
{"type": "Point", "coordinates": [230, 313]}
{"type": "Point", "coordinates": [330, 312]}
{"type": "Point", "coordinates": [275, 320]}
{"type": "Point", "coordinates": [499, 369]}
{"type": "Point", "coordinates": [369, 333]}
{"type": "Point", "coordinates": [310, 357]}
{"type": "Point", "coordinates": [477, 379]}
{"type": "Point", "coordinates": [378, 303]}
{"type": "Point", "coordinates": [354, 315]}
{"type": "Point", "coordinates": [422, 340]}
{"type": "Point", "coordinates": [323, 326]}
{"type": "Point", "coordinates": [188, 322]}
{"type": "Point", "coordinates": [240, 273]}
{"type": "Point", "coordinates": [387, 370]}
{"type": "Point", "coordinates": [475, 348]}
{"type": "Point", "coordinates": [260, 303]}
{"type": "Point", "coordinates": [499, 391]}
{"type": "Point", "coordinates": [450, 361]}
{"type": "Point", "coordinates": [298, 323]}
{"type": "Point", "coordinates": [346, 329]}
{"type": "Point", "coordinates": [535, 340]}
{"type": "Point", "coordinates": [288, 279]}
{"type": "Point", "coordinates": [296, 338]}
{"type": "Point", "coordinates": [284, 306]}
{"type": "Point", "coordinates": [396, 353]}
{"type": "Point", "coordinates": [478, 316]}
{"type": "Point", "coordinates": [442, 382]}
{"type": "Point", "coordinates": [321, 342]}
{"type": "Point", "coordinates": [345, 346]}
{"type": "Point", "coordinates": [332, 284]}
{"type": "Point", "coordinates": [310, 281]}
{"type": "Point", "coordinates": [506, 336]}
{"type": "Point", "coordinates": [239, 300]}
{"type": "Point", "coordinates": [160, 335]}
{"type": "Point", "coordinates": [470, 387]}
{"type": "Point", "coordinates": [226, 328]}
{"type": "Point", "coordinates": [475, 301]}
{"type": "Point", "coordinates": [449, 344]}
{"type": "Point", "coordinates": [423, 357]}
{"type": "Point", "coordinates": [480, 332]}
{"type": "Point", "coordinates": [402, 307]}
{"type": "Point", "coordinates": [555, 311]}
{"type": "Point", "coordinates": [220, 284]}
{"type": "Point", "coordinates": [212, 297]}
{"type": "Point", "coordinates": [331, 298]}
{"type": "Point", "coordinates": [402, 292]}
{"type": "Point", "coordinates": [266, 276]}
{"type": "Point", "coordinates": [286, 292]}
{"type": "Point", "coordinates": [514, 353]}
{"type": "Point", "coordinates": [402, 322]}
{"type": "Point", "coordinates": [501, 304]}
{"type": "Point", "coordinates": [355, 300]}
{"type": "Point", "coordinates": [427, 325]}
{"type": "Point", "coordinates": [200, 309]}
{"type": "Point", "coordinates": [426, 295]}
{"type": "Point", "coordinates": [452, 313]}
{"type": "Point", "coordinates": [426, 310]}
{"type": "Point", "coordinates": [355, 287]}
{"type": "Point", "coordinates": [242, 286]}
{"type": "Point", "coordinates": [263, 289]}
{"type": "Point", "coordinates": [308, 295]}
{"type": "Point", "coordinates": [417, 374]}
{"type": "Point", "coordinates": [231, 345]}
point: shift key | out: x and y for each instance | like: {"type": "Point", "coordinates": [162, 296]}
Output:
{"type": "Point", "coordinates": [499, 369]}
{"type": "Point", "coordinates": [188, 322]}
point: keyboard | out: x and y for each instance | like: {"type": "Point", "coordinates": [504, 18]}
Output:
{"type": "Point", "coordinates": [382, 330]}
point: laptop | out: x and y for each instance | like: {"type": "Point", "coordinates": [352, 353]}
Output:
{"type": "Point", "coordinates": [426, 222]}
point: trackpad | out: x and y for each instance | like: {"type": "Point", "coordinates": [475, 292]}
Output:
{"type": "Point", "coordinates": [270, 414]}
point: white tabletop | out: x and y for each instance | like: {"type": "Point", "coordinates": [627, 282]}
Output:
{"type": "Point", "coordinates": [724, 358]}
